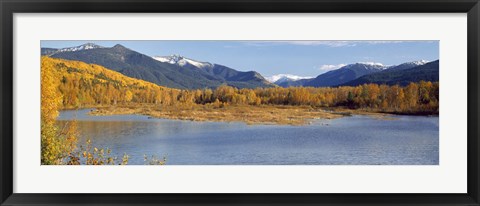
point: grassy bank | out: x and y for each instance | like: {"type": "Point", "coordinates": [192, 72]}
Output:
{"type": "Point", "coordinates": [263, 114]}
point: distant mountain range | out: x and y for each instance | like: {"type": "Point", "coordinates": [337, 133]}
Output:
{"type": "Point", "coordinates": [279, 78]}
{"type": "Point", "coordinates": [345, 74]}
{"type": "Point", "coordinates": [401, 75]}
{"type": "Point", "coordinates": [250, 79]}
{"type": "Point", "coordinates": [179, 73]}
{"type": "Point", "coordinates": [288, 80]}
{"type": "Point", "coordinates": [296, 83]}
{"type": "Point", "coordinates": [407, 65]}
{"type": "Point", "coordinates": [176, 71]}
{"type": "Point", "coordinates": [52, 51]}
{"type": "Point", "coordinates": [183, 61]}
{"type": "Point", "coordinates": [362, 73]}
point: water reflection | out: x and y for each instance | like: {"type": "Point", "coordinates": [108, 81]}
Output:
{"type": "Point", "coordinates": [357, 140]}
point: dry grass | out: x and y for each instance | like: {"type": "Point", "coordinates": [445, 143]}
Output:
{"type": "Point", "coordinates": [371, 113]}
{"type": "Point", "coordinates": [264, 114]}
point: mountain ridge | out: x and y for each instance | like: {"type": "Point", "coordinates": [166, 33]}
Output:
{"type": "Point", "coordinates": [137, 65]}
{"type": "Point", "coordinates": [344, 74]}
{"type": "Point", "coordinates": [426, 72]}
{"type": "Point", "coordinates": [181, 72]}
{"type": "Point", "coordinates": [233, 77]}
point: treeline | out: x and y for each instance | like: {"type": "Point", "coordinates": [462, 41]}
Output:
{"type": "Point", "coordinates": [83, 85]}
{"type": "Point", "coordinates": [416, 98]}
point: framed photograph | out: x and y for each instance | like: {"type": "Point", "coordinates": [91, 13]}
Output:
{"type": "Point", "coordinates": [239, 102]}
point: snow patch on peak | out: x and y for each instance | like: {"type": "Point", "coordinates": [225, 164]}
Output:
{"type": "Point", "coordinates": [89, 46]}
{"type": "Point", "coordinates": [86, 46]}
{"type": "Point", "coordinates": [369, 65]}
{"type": "Point", "coordinates": [182, 61]}
{"type": "Point", "coordinates": [198, 64]}
{"type": "Point", "coordinates": [161, 59]}
{"type": "Point", "coordinates": [284, 77]}
{"type": "Point", "coordinates": [372, 64]}
{"type": "Point", "coordinates": [172, 59]}
{"type": "Point", "coordinates": [420, 62]}
{"type": "Point", "coordinates": [414, 63]}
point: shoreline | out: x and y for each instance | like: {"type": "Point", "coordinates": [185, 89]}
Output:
{"type": "Point", "coordinates": [263, 114]}
{"type": "Point", "coordinates": [250, 115]}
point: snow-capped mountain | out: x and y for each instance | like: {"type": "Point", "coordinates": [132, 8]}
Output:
{"type": "Point", "coordinates": [182, 61]}
{"type": "Point", "coordinates": [408, 65]}
{"type": "Point", "coordinates": [173, 71]}
{"type": "Point", "coordinates": [240, 79]}
{"type": "Point", "coordinates": [87, 46]}
{"type": "Point", "coordinates": [419, 62]}
{"type": "Point", "coordinates": [81, 47]}
{"type": "Point", "coordinates": [367, 65]}
{"type": "Point", "coordinates": [173, 59]}
{"type": "Point", "coordinates": [185, 73]}
{"type": "Point", "coordinates": [402, 74]}
{"type": "Point", "coordinates": [279, 78]}
{"type": "Point", "coordinates": [345, 74]}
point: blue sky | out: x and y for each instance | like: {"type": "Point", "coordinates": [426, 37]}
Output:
{"type": "Point", "coordinates": [303, 58]}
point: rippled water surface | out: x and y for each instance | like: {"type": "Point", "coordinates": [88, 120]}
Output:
{"type": "Point", "coordinates": [356, 140]}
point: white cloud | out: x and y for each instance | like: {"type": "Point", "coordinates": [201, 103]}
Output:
{"type": "Point", "coordinates": [304, 43]}
{"type": "Point", "coordinates": [330, 67]}
{"type": "Point", "coordinates": [342, 43]}
{"type": "Point", "coordinates": [396, 42]}
{"type": "Point", "coordinates": [324, 43]}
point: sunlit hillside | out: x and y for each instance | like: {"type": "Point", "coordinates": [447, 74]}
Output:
{"type": "Point", "coordinates": [84, 84]}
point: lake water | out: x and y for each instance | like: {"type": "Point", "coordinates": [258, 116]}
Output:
{"type": "Point", "coordinates": [355, 140]}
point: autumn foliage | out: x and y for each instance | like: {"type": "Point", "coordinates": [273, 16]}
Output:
{"type": "Point", "coordinates": [56, 143]}
{"type": "Point", "coordinates": [73, 84]}
{"type": "Point", "coordinates": [85, 85]}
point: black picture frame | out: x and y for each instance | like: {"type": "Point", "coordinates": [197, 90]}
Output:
{"type": "Point", "coordinates": [9, 7]}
